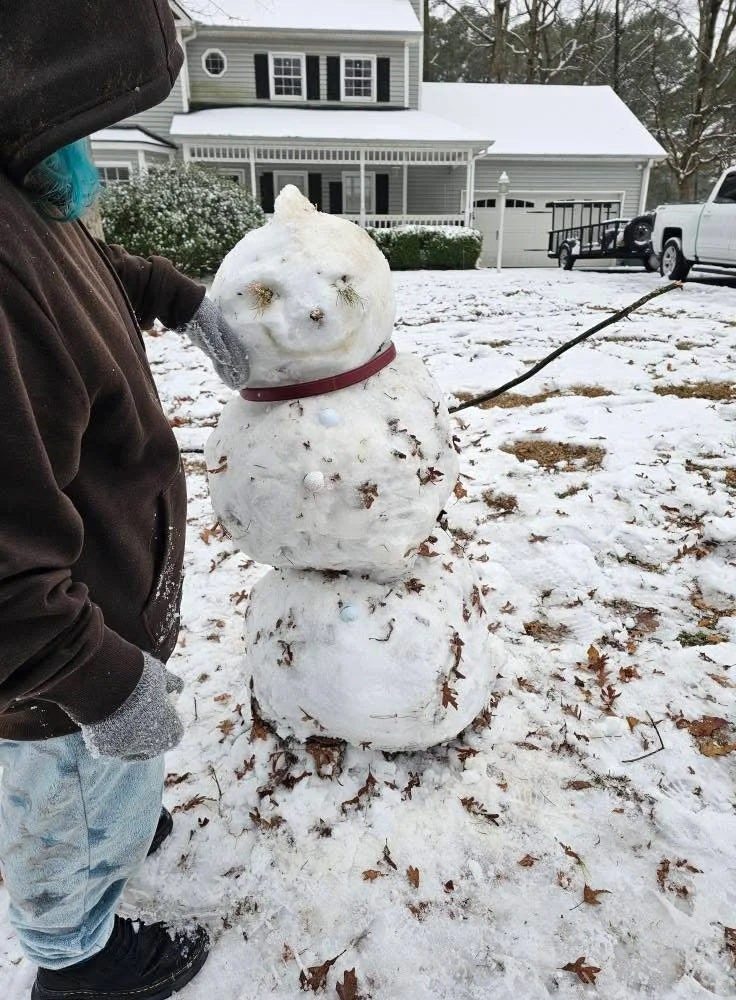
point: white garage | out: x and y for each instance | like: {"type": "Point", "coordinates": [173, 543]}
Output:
{"type": "Point", "coordinates": [555, 144]}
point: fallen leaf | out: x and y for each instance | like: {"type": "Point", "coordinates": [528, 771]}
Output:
{"type": "Point", "coordinates": [711, 749]}
{"type": "Point", "coordinates": [730, 935]}
{"type": "Point", "coordinates": [706, 726]}
{"type": "Point", "coordinates": [585, 973]}
{"type": "Point", "coordinates": [527, 861]}
{"type": "Point", "coordinates": [571, 854]}
{"type": "Point", "coordinates": [348, 988]}
{"type": "Point", "coordinates": [478, 809]}
{"type": "Point", "coordinates": [578, 786]}
{"type": "Point", "coordinates": [591, 895]}
{"type": "Point", "coordinates": [460, 490]}
{"type": "Point", "coordinates": [371, 875]}
{"type": "Point", "coordinates": [413, 875]}
{"type": "Point", "coordinates": [315, 978]}
{"type": "Point", "coordinates": [723, 681]}
{"type": "Point", "coordinates": [632, 721]}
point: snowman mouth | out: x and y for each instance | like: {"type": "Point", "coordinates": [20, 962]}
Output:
{"type": "Point", "coordinates": [321, 386]}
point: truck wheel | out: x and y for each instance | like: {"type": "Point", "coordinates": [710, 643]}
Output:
{"type": "Point", "coordinates": [565, 259]}
{"type": "Point", "coordinates": [638, 233]}
{"type": "Point", "coordinates": [674, 265]}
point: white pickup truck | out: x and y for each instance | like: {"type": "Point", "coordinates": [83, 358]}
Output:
{"type": "Point", "coordinates": [687, 235]}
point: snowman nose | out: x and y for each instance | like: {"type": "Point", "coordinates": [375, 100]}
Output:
{"type": "Point", "coordinates": [317, 315]}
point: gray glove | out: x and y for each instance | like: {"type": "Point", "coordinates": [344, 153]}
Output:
{"type": "Point", "coordinates": [146, 724]}
{"type": "Point", "coordinates": [210, 332]}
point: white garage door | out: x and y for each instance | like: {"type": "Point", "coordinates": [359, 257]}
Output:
{"type": "Point", "coordinates": [528, 220]}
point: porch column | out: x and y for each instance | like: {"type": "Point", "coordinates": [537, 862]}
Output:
{"type": "Point", "coordinates": [405, 193]}
{"type": "Point", "coordinates": [253, 181]}
{"type": "Point", "coordinates": [469, 192]}
{"type": "Point", "coordinates": [362, 187]}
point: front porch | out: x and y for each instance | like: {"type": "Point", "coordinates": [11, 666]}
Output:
{"type": "Point", "coordinates": [378, 169]}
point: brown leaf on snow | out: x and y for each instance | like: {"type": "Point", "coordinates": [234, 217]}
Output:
{"type": "Point", "coordinates": [371, 875]}
{"type": "Point", "coordinates": [478, 809]}
{"type": "Point", "coordinates": [633, 722]}
{"type": "Point", "coordinates": [627, 674]}
{"type": "Point", "coordinates": [706, 726]}
{"type": "Point", "coordinates": [527, 861]}
{"type": "Point", "coordinates": [460, 490]}
{"type": "Point", "coordinates": [591, 895]}
{"type": "Point", "coordinates": [585, 973]}
{"type": "Point", "coordinates": [571, 854]}
{"type": "Point", "coordinates": [413, 875]}
{"type": "Point", "coordinates": [711, 749]}
{"type": "Point", "coordinates": [579, 786]}
{"type": "Point", "coordinates": [367, 792]}
{"type": "Point", "coordinates": [414, 586]}
{"type": "Point", "coordinates": [456, 647]}
{"type": "Point", "coordinates": [315, 978]}
{"type": "Point", "coordinates": [449, 696]}
{"type": "Point", "coordinates": [369, 493]}
{"type": "Point", "coordinates": [723, 681]}
{"type": "Point", "coordinates": [348, 988]}
{"type": "Point", "coordinates": [176, 779]}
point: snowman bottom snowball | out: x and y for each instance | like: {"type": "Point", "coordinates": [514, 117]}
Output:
{"type": "Point", "coordinates": [400, 666]}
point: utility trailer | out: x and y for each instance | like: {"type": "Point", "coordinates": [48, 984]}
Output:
{"type": "Point", "coordinates": [594, 230]}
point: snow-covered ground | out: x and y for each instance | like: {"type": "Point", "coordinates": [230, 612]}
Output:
{"type": "Point", "coordinates": [535, 857]}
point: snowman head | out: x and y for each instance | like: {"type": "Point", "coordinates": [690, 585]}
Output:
{"type": "Point", "coordinates": [310, 294]}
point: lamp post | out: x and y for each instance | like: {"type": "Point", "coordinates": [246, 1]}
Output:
{"type": "Point", "coordinates": [503, 187]}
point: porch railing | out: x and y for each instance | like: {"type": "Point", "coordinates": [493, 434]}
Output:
{"type": "Point", "coordinates": [390, 221]}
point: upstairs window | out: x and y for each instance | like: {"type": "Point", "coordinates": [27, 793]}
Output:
{"type": "Point", "coordinates": [287, 76]}
{"type": "Point", "coordinates": [214, 62]}
{"type": "Point", "coordinates": [358, 78]}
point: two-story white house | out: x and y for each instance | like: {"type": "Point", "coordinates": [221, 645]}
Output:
{"type": "Point", "coordinates": [328, 95]}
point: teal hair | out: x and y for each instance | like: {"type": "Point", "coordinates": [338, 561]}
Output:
{"type": "Point", "coordinates": [64, 184]}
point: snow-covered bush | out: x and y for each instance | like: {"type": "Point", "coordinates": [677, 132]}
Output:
{"type": "Point", "coordinates": [438, 248]}
{"type": "Point", "coordinates": [187, 213]}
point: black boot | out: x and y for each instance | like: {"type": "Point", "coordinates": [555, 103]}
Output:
{"type": "Point", "coordinates": [163, 830]}
{"type": "Point", "coordinates": [142, 964]}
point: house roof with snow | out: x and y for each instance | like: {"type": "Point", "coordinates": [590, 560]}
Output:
{"type": "Point", "coordinates": [544, 120]}
{"type": "Point", "coordinates": [395, 127]}
{"type": "Point", "coordinates": [131, 136]}
{"type": "Point", "coordinates": [378, 16]}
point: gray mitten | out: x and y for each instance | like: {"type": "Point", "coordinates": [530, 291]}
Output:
{"type": "Point", "coordinates": [146, 724]}
{"type": "Point", "coordinates": [210, 332]}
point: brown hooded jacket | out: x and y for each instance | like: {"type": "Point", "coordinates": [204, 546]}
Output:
{"type": "Point", "coordinates": [92, 498]}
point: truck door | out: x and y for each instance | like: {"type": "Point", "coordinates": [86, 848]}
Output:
{"type": "Point", "coordinates": [717, 230]}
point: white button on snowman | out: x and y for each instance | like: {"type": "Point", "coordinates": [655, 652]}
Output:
{"type": "Point", "coordinates": [371, 628]}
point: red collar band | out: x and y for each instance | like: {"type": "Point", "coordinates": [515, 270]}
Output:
{"type": "Point", "coordinates": [280, 393]}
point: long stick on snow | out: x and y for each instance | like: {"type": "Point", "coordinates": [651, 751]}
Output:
{"type": "Point", "coordinates": [622, 314]}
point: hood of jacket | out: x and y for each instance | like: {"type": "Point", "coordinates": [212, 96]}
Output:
{"type": "Point", "coordinates": [71, 67]}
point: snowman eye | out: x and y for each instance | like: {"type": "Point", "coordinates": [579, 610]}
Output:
{"type": "Point", "coordinates": [263, 296]}
{"type": "Point", "coordinates": [347, 294]}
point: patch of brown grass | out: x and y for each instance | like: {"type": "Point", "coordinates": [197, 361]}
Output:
{"type": "Point", "coordinates": [699, 390]}
{"type": "Point", "coordinates": [495, 343]}
{"type": "Point", "coordinates": [731, 478]}
{"type": "Point", "coordinates": [510, 400]}
{"type": "Point", "coordinates": [571, 491]}
{"type": "Point", "coordinates": [550, 454]}
{"type": "Point", "coordinates": [688, 345]}
{"type": "Point", "coordinates": [502, 502]}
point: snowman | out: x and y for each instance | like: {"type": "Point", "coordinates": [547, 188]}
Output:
{"type": "Point", "coordinates": [334, 466]}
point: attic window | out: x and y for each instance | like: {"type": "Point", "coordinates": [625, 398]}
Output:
{"type": "Point", "coordinates": [287, 76]}
{"type": "Point", "coordinates": [358, 78]}
{"type": "Point", "coordinates": [214, 62]}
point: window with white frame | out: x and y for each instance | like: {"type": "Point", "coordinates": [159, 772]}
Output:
{"type": "Point", "coordinates": [214, 62]}
{"type": "Point", "coordinates": [287, 76]}
{"type": "Point", "coordinates": [351, 193]}
{"type": "Point", "coordinates": [114, 174]}
{"type": "Point", "coordinates": [358, 78]}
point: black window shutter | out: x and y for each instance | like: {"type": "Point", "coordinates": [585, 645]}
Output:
{"type": "Point", "coordinates": [383, 92]}
{"type": "Point", "coordinates": [336, 197]}
{"type": "Point", "coordinates": [263, 85]}
{"type": "Point", "coordinates": [333, 78]}
{"type": "Point", "coordinates": [382, 194]}
{"type": "Point", "coordinates": [313, 90]}
{"type": "Point", "coordinates": [267, 193]}
{"type": "Point", "coordinates": [315, 190]}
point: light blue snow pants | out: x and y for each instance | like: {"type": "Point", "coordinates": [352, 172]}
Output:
{"type": "Point", "coordinates": [73, 829]}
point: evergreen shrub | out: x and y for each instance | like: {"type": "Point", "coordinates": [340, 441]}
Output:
{"type": "Point", "coordinates": [187, 213]}
{"type": "Point", "coordinates": [434, 248]}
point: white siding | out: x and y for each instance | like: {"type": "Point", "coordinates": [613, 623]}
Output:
{"type": "Point", "coordinates": [238, 84]}
{"type": "Point", "coordinates": [158, 119]}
